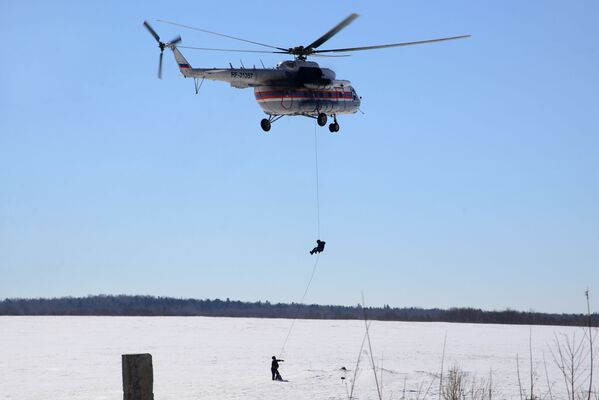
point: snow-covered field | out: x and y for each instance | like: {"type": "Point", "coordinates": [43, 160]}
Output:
{"type": "Point", "coordinates": [47, 358]}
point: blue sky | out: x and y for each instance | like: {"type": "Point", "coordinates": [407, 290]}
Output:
{"type": "Point", "coordinates": [472, 179]}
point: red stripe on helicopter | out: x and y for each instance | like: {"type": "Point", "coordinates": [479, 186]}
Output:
{"type": "Point", "coordinates": [302, 91]}
{"type": "Point", "coordinates": [184, 66]}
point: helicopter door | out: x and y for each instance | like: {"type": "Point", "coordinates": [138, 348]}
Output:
{"type": "Point", "coordinates": [287, 99]}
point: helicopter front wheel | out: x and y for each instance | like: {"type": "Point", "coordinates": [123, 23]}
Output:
{"type": "Point", "coordinates": [321, 119]}
{"type": "Point", "coordinates": [265, 124]}
{"type": "Point", "coordinates": [334, 127]}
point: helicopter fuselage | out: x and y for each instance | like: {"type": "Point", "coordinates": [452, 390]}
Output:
{"type": "Point", "coordinates": [337, 98]}
{"type": "Point", "coordinates": [292, 88]}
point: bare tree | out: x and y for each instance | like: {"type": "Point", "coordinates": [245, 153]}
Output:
{"type": "Point", "coordinates": [357, 367]}
{"type": "Point", "coordinates": [590, 337]}
{"type": "Point", "coordinates": [549, 384]}
{"type": "Point", "coordinates": [442, 362]}
{"type": "Point", "coordinates": [519, 380]}
{"type": "Point", "coordinates": [575, 360]}
{"type": "Point", "coordinates": [453, 389]}
{"type": "Point", "coordinates": [568, 355]}
{"type": "Point", "coordinates": [532, 369]}
{"type": "Point", "coordinates": [490, 385]}
{"type": "Point", "coordinates": [459, 385]}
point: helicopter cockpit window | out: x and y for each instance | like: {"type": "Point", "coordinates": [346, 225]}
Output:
{"type": "Point", "coordinates": [287, 65]}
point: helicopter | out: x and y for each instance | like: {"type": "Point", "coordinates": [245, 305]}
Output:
{"type": "Point", "coordinates": [295, 87]}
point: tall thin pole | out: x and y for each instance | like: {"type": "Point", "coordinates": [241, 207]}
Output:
{"type": "Point", "coordinates": [376, 379]}
{"type": "Point", "coordinates": [586, 293]}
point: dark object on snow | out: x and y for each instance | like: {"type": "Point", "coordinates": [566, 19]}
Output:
{"type": "Point", "coordinates": [344, 371]}
{"type": "Point", "coordinates": [138, 378]}
{"type": "Point", "coordinates": [274, 369]}
{"type": "Point", "coordinates": [319, 247]}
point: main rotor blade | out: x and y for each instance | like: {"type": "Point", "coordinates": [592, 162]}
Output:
{"type": "Point", "coordinates": [330, 55]}
{"type": "Point", "coordinates": [220, 34]}
{"type": "Point", "coordinates": [232, 50]}
{"type": "Point", "coordinates": [256, 51]}
{"type": "Point", "coordinates": [383, 46]}
{"type": "Point", "coordinates": [333, 31]}
{"type": "Point", "coordinates": [152, 31]}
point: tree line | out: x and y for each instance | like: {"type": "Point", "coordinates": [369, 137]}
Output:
{"type": "Point", "coordinates": [125, 305]}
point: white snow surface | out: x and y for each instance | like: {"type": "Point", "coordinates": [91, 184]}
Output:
{"type": "Point", "coordinates": [204, 358]}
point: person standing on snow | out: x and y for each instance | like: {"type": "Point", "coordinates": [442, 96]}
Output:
{"type": "Point", "coordinates": [274, 369]}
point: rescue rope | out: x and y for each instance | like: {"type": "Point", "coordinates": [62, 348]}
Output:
{"type": "Point", "coordinates": [297, 310]}
{"type": "Point", "coordinates": [317, 183]}
{"type": "Point", "coordinates": [317, 254]}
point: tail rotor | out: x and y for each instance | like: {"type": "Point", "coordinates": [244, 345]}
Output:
{"type": "Point", "coordinates": [161, 45]}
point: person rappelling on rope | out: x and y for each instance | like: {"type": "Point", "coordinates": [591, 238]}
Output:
{"type": "Point", "coordinates": [274, 369]}
{"type": "Point", "coordinates": [319, 247]}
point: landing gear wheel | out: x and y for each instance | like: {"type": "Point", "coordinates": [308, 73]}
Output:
{"type": "Point", "coordinates": [265, 124]}
{"type": "Point", "coordinates": [334, 127]}
{"type": "Point", "coordinates": [321, 119]}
